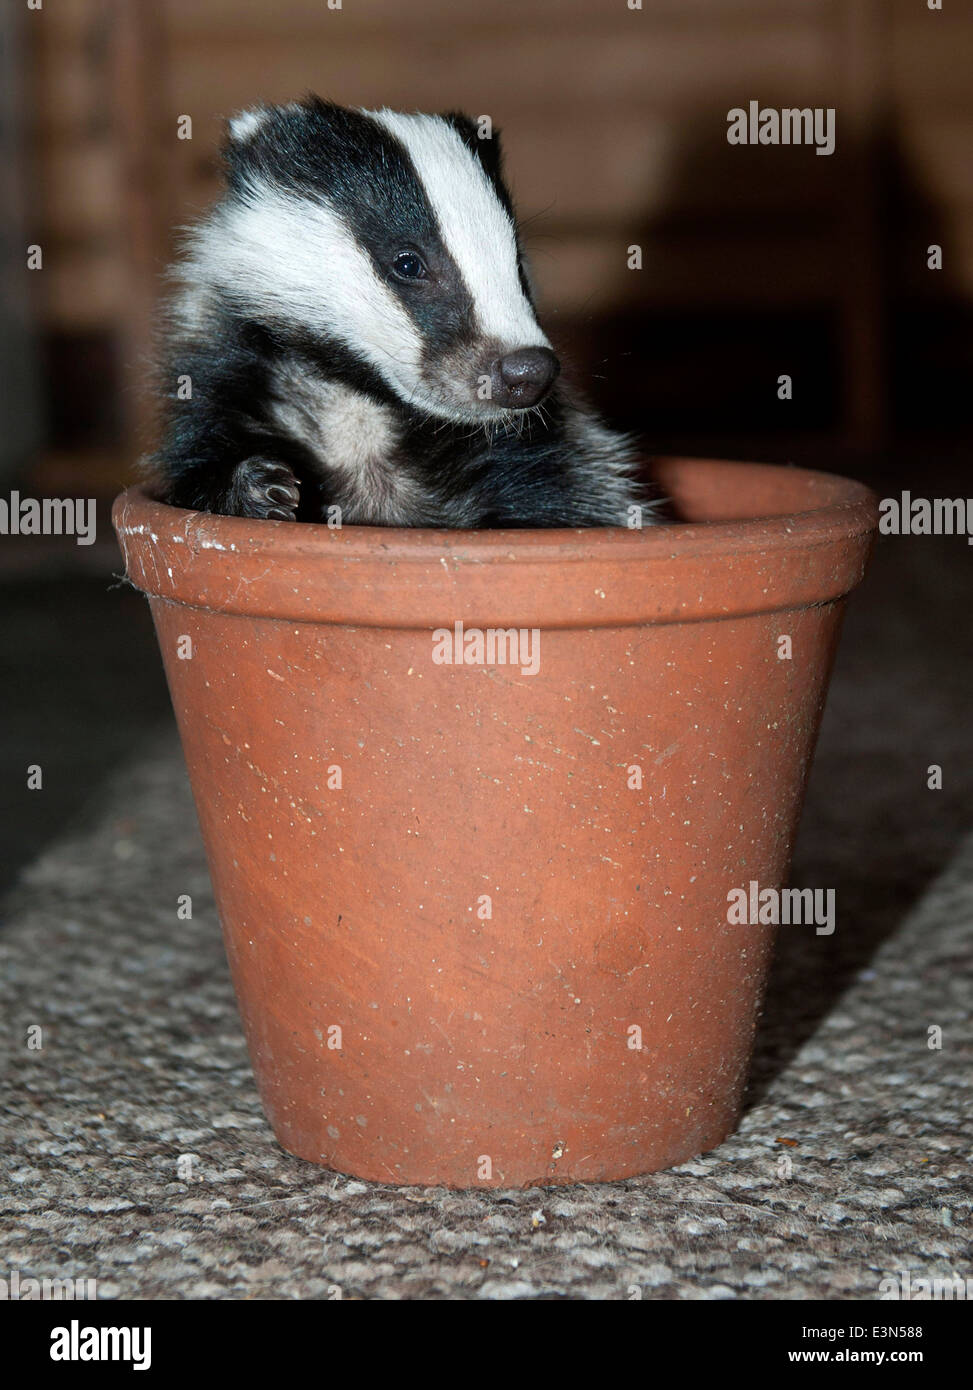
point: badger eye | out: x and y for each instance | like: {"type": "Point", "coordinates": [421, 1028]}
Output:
{"type": "Point", "coordinates": [408, 266]}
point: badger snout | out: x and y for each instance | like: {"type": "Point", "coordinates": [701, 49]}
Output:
{"type": "Point", "coordinates": [523, 378]}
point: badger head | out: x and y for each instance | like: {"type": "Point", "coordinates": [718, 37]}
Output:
{"type": "Point", "coordinates": [389, 240]}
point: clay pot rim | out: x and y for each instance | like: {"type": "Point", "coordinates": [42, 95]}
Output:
{"type": "Point", "coordinates": [846, 507]}
{"type": "Point", "coordinates": [691, 571]}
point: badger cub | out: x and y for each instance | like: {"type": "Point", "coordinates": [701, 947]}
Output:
{"type": "Point", "coordinates": [358, 330]}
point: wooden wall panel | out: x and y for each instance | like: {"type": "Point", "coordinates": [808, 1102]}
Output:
{"type": "Point", "coordinates": [429, 69]}
{"type": "Point", "coordinates": [81, 196]}
{"type": "Point", "coordinates": [301, 17]}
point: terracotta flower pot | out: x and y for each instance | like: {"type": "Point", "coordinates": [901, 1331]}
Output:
{"type": "Point", "coordinates": [476, 914]}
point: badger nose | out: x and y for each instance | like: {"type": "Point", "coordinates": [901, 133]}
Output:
{"type": "Point", "coordinates": [524, 377]}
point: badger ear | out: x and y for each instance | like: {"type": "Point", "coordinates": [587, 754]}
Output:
{"type": "Point", "coordinates": [245, 124]}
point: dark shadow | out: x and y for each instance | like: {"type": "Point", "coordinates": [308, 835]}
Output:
{"type": "Point", "coordinates": [82, 682]}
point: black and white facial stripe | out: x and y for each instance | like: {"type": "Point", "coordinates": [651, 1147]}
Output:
{"type": "Point", "coordinates": [328, 206]}
{"type": "Point", "coordinates": [356, 320]}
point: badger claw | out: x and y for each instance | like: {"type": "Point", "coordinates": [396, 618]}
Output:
{"type": "Point", "coordinates": [265, 490]}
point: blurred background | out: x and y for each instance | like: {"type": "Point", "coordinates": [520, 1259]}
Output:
{"type": "Point", "coordinates": [756, 262]}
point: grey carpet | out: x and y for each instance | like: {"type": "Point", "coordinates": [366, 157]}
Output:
{"type": "Point", "coordinates": [144, 1063]}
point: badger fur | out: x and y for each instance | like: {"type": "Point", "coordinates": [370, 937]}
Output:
{"type": "Point", "coordinates": [354, 328]}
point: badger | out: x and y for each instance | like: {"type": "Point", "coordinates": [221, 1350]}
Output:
{"type": "Point", "coordinates": [352, 334]}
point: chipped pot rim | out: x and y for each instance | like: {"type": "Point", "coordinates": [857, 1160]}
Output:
{"type": "Point", "coordinates": [762, 537]}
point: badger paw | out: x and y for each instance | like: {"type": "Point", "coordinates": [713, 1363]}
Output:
{"type": "Point", "coordinates": [264, 489]}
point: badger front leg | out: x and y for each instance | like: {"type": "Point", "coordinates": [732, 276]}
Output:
{"type": "Point", "coordinates": [264, 489]}
{"type": "Point", "coordinates": [257, 486]}
{"type": "Point", "coordinates": [217, 455]}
